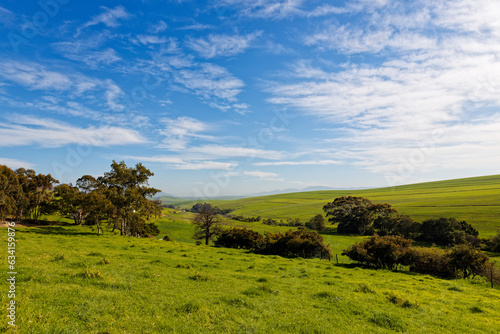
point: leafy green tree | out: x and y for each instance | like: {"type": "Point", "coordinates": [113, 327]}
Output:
{"type": "Point", "coordinates": [495, 243]}
{"type": "Point", "coordinates": [397, 224]}
{"type": "Point", "coordinates": [469, 261]}
{"type": "Point", "coordinates": [36, 188]}
{"type": "Point", "coordinates": [9, 191]}
{"type": "Point", "coordinates": [127, 189]}
{"type": "Point", "coordinates": [70, 201]}
{"type": "Point", "coordinates": [443, 231]}
{"type": "Point", "coordinates": [355, 214]}
{"type": "Point", "coordinates": [207, 223]}
{"type": "Point", "coordinates": [316, 223]}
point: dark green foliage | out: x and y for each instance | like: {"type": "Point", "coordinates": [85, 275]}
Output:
{"type": "Point", "coordinates": [431, 261]}
{"type": "Point", "coordinates": [316, 223]}
{"type": "Point", "coordinates": [381, 252]}
{"type": "Point", "coordinates": [247, 219]}
{"type": "Point", "coordinates": [299, 243]}
{"type": "Point", "coordinates": [199, 207]}
{"type": "Point", "coordinates": [398, 224]}
{"type": "Point", "coordinates": [447, 231]}
{"type": "Point", "coordinates": [469, 261]}
{"type": "Point", "coordinates": [494, 244]}
{"type": "Point", "coordinates": [240, 238]}
{"type": "Point", "coordinates": [355, 215]}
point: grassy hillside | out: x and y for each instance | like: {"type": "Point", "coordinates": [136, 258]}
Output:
{"type": "Point", "coordinates": [476, 200]}
{"type": "Point", "coordinates": [71, 280]}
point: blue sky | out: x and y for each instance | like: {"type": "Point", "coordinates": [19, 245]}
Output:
{"type": "Point", "coordinates": [236, 97]}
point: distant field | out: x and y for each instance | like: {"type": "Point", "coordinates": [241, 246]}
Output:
{"type": "Point", "coordinates": [475, 200]}
{"type": "Point", "coordinates": [71, 280]}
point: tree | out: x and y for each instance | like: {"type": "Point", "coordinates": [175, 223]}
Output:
{"type": "Point", "coordinates": [402, 225]}
{"type": "Point", "coordinates": [207, 223]}
{"type": "Point", "coordinates": [316, 223]}
{"type": "Point", "coordinates": [128, 191]}
{"type": "Point", "coordinates": [468, 260]}
{"type": "Point", "coordinates": [355, 214]}
{"type": "Point", "coordinates": [35, 190]}
{"type": "Point", "coordinates": [9, 191]}
{"type": "Point", "coordinates": [495, 243]}
{"type": "Point", "coordinates": [69, 201]}
{"type": "Point", "coordinates": [444, 231]}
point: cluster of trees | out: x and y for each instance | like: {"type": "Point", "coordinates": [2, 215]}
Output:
{"type": "Point", "coordinates": [358, 215]}
{"type": "Point", "coordinates": [298, 243]}
{"type": "Point", "coordinates": [247, 219]}
{"type": "Point", "coordinates": [24, 194]}
{"type": "Point", "coordinates": [290, 244]}
{"type": "Point", "coordinates": [388, 252]}
{"type": "Point", "coordinates": [120, 198]}
{"type": "Point", "coordinates": [198, 207]}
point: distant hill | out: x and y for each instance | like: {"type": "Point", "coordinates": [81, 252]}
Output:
{"type": "Point", "coordinates": [475, 200]}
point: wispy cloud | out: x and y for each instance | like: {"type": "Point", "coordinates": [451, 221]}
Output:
{"type": "Point", "coordinates": [26, 130]}
{"type": "Point", "coordinates": [181, 131]}
{"type": "Point", "coordinates": [110, 17]}
{"type": "Point", "coordinates": [185, 163]}
{"type": "Point", "coordinates": [222, 45]}
{"type": "Point", "coordinates": [268, 9]}
{"type": "Point", "coordinates": [34, 76]}
{"type": "Point", "coordinates": [428, 83]}
{"type": "Point", "coordinates": [235, 151]}
{"type": "Point", "coordinates": [299, 163]}
{"type": "Point", "coordinates": [263, 176]}
{"type": "Point", "coordinates": [213, 84]}
{"type": "Point", "coordinates": [14, 163]}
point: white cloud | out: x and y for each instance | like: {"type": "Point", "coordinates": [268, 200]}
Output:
{"type": "Point", "coordinates": [37, 77]}
{"type": "Point", "coordinates": [299, 163]}
{"type": "Point", "coordinates": [269, 9]}
{"type": "Point", "coordinates": [15, 164]}
{"type": "Point", "coordinates": [263, 176]}
{"type": "Point", "coordinates": [233, 151]}
{"type": "Point", "coordinates": [88, 51]}
{"type": "Point", "coordinates": [110, 17]}
{"type": "Point", "coordinates": [213, 84]}
{"type": "Point", "coordinates": [181, 131]}
{"type": "Point", "coordinates": [222, 45]}
{"type": "Point", "coordinates": [445, 81]}
{"type": "Point", "coordinates": [186, 163]}
{"type": "Point", "coordinates": [151, 39]}
{"type": "Point", "coordinates": [26, 130]}
{"type": "Point", "coordinates": [158, 27]}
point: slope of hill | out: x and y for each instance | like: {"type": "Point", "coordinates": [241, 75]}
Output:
{"type": "Point", "coordinates": [71, 280]}
{"type": "Point", "coordinates": [476, 200]}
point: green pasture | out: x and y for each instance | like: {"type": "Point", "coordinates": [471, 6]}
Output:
{"type": "Point", "coordinates": [475, 200]}
{"type": "Point", "coordinates": [71, 280]}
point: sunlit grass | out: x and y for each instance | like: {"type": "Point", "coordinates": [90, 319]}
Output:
{"type": "Point", "coordinates": [71, 280]}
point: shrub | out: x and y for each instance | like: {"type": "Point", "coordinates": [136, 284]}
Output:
{"type": "Point", "coordinates": [447, 231]}
{"type": "Point", "coordinates": [239, 238]}
{"type": "Point", "coordinates": [495, 243]}
{"type": "Point", "coordinates": [316, 223]}
{"type": "Point", "coordinates": [431, 261]}
{"type": "Point", "coordinates": [381, 252]}
{"type": "Point", "coordinates": [469, 261]}
{"type": "Point", "coordinates": [300, 243]}
{"type": "Point", "coordinates": [167, 238]}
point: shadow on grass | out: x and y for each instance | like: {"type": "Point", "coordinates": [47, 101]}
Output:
{"type": "Point", "coordinates": [61, 229]}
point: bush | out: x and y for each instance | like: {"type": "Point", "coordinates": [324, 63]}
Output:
{"type": "Point", "coordinates": [316, 223]}
{"type": "Point", "coordinates": [495, 243]}
{"type": "Point", "coordinates": [448, 231]}
{"type": "Point", "coordinates": [382, 252]}
{"type": "Point", "coordinates": [430, 261]}
{"type": "Point", "coordinates": [239, 238]}
{"type": "Point", "coordinates": [300, 243]}
{"type": "Point", "coordinates": [467, 260]}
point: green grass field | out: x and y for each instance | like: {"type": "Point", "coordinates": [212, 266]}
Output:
{"type": "Point", "coordinates": [71, 280]}
{"type": "Point", "coordinates": [475, 200]}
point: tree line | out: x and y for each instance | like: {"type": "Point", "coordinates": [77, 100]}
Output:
{"type": "Point", "coordinates": [120, 199]}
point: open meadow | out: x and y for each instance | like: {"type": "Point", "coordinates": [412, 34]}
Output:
{"type": "Point", "coordinates": [71, 280]}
